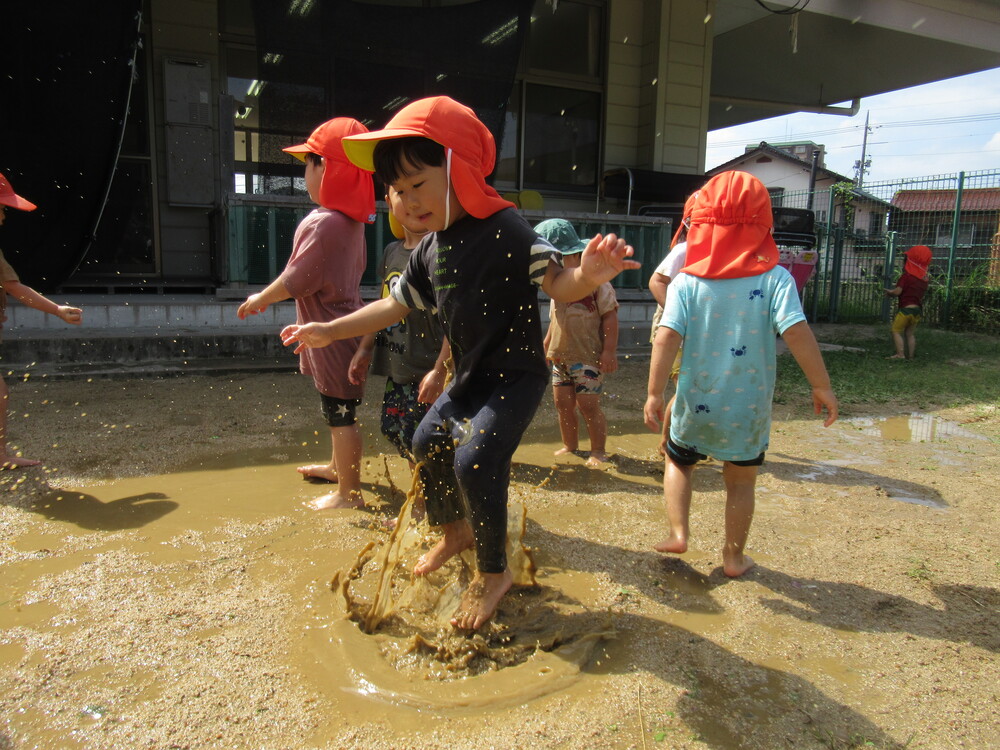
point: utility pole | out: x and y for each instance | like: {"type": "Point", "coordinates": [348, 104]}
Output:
{"type": "Point", "coordinates": [861, 166]}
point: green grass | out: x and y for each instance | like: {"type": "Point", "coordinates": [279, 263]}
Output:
{"type": "Point", "coordinates": [950, 369]}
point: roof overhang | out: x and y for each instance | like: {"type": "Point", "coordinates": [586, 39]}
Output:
{"type": "Point", "coordinates": [825, 58]}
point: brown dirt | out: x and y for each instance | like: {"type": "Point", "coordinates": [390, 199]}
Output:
{"type": "Point", "coordinates": [150, 620]}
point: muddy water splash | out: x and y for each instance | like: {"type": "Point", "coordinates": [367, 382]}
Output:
{"type": "Point", "coordinates": [404, 649]}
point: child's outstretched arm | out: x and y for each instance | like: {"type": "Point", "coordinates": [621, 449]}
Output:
{"type": "Point", "coordinates": [665, 347]}
{"type": "Point", "coordinates": [373, 317]}
{"type": "Point", "coordinates": [259, 302]}
{"type": "Point", "coordinates": [802, 344]}
{"type": "Point", "coordinates": [604, 258]}
{"type": "Point", "coordinates": [28, 296]}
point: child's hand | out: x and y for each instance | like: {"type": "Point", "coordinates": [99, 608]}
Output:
{"type": "Point", "coordinates": [605, 258]}
{"type": "Point", "coordinates": [357, 372]}
{"type": "Point", "coordinates": [608, 362]}
{"type": "Point", "coordinates": [251, 306]}
{"type": "Point", "coordinates": [71, 315]}
{"type": "Point", "coordinates": [652, 412]}
{"type": "Point", "coordinates": [432, 386]}
{"type": "Point", "coordinates": [825, 397]}
{"type": "Point", "coordinates": [307, 336]}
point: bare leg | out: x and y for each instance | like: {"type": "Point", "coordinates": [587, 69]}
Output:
{"type": "Point", "coordinates": [323, 472]}
{"type": "Point", "coordinates": [677, 493]}
{"type": "Point", "coordinates": [665, 434]}
{"type": "Point", "coordinates": [481, 600]}
{"type": "Point", "coordinates": [347, 464]}
{"type": "Point", "coordinates": [457, 538]}
{"type": "Point", "coordinates": [7, 460]}
{"type": "Point", "coordinates": [597, 426]}
{"type": "Point", "coordinates": [740, 482]}
{"type": "Point", "coordinates": [897, 341]}
{"type": "Point", "coordinates": [569, 427]}
{"type": "Point", "coordinates": [911, 341]}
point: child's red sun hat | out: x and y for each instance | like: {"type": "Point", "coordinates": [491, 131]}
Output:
{"type": "Point", "coordinates": [9, 198]}
{"type": "Point", "coordinates": [344, 188]}
{"type": "Point", "coordinates": [454, 126]}
{"type": "Point", "coordinates": [730, 235]}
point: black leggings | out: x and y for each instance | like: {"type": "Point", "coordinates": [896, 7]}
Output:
{"type": "Point", "coordinates": [466, 445]}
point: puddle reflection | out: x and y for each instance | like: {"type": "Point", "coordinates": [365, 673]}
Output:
{"type": "Point", "coordinates": [916, 428]}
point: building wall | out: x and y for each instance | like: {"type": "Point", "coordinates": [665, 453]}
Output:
{"type": "Point", "coordinates": [184, 30]}
{"type": "Point", "coordinates": [659, 70]}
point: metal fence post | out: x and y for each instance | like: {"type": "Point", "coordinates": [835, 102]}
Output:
{"type": "Point", "coordinates": [838, 261]}
{"type": "Point", "coordinates": [887, 277]}
{"type": "Point", "coordinates": [955, 222]}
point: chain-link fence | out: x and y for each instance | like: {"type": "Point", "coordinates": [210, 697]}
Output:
{"type": "Point", "coordinates": [862, 232]}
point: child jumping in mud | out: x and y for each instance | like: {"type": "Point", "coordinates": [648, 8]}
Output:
{"type": "Point", "coordinates": [11, 285]}
{"type": "Point", "coordinates": [726, 307]}
{"type": "Point", "coordinates": [582, 345]}
{"type": "Point", "coordinates": [910, 290]}
{"type": "Point", "coordinates": [480, 269]}
{"type": "Point", "coordinates": [323, 274]}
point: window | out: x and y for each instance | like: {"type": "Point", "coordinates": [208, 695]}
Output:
{"type": "Point", "coordinates": [553, 130]}
{"type": "Point", "coordinates": [966, 234]}
{"type": "Point", "coordinates": [293, 106]}
{"type": "Point", "coordinates": [876, 223]}
{"type": "Point", "coordinates": [566, 38]}
{"type": "Point", "coordinates": [777, 196]}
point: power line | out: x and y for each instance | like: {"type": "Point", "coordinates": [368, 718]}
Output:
{"type": "Point", "coordinates": [930, 122]}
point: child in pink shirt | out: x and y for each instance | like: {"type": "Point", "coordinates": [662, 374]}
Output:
{"type": "Point", "coordinates": [323, 275]}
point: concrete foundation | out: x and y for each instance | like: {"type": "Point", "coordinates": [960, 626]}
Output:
{"type": "Point", "coordinates": [176, 334]}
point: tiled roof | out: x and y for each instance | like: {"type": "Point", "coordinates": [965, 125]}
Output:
{"type": "Point", "coordinates": [973, 199]}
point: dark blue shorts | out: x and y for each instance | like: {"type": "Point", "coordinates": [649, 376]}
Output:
{"type": "Point", "coordinates": [684, 457]}
{"type": "Point", "coordinates": [339, 412]}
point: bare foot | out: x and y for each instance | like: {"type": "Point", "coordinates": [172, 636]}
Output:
{"type": "Point", "coordinates": [417, 514]}
{"type": "Point", "coordinates": [737, 565]}
{"type": "Point", "coordinates": [457, 538]}
{"type": "Point", "coordinates": [596, 459]}
{"type": "Point", "coordinates": [564, 451]}
{"type": "Point", "coordinates": [17, 462]}
{"type": "Point", "coordinates": [672, 544]}
{"type": "Point", "coordinates": [337, 500]}
{"type": "Point", "coordinates": [896, 356]}
{"type": "Point", "coordinates": [481, 599]}
{"type": "Point", "coordinates": [318, 473]}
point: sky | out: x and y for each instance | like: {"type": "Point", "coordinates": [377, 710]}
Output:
{"type": "Point", "coordinates": [938, 128]}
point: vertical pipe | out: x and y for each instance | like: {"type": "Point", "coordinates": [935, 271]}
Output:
{"type": "Point", "coordinates": [887, 273]}
{"type": "Point", "coordinates": [955, 220]}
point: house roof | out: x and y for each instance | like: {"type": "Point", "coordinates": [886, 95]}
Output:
{"type": "Point", "coordinates": [766, 149]}
{"type": "Point", "coordinates": [973, 199]}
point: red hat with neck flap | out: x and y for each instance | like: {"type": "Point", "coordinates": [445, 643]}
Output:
{"type": "Point", "coordinates": [730, 234]}
{"type": "Point", "coordinates": [344, 188]}
{"type": "Point", "coordinates": [470, 151]}
{"type": "Point", "coordinates": [918, 258]}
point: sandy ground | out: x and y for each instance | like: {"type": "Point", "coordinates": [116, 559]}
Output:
{"type": "Point", "coordinates": [164, 586]}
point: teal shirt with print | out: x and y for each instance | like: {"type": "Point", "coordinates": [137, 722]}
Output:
{"type": "Point", "coordinates": [726, 384]}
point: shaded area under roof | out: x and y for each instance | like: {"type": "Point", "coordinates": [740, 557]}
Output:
{"type": "Point", "coordinates": [825, 60]}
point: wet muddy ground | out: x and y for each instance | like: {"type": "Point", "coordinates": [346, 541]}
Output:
{"type": "Point", "coordinates": [164, 586]}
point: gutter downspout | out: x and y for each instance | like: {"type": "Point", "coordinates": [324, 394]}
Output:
{"type": "Point", "coordinates": [790, 107]}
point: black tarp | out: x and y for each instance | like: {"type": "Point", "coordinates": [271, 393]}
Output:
{"type": "Point", "coordinates": [65, 68]}
{"type": "Point", "coordinates": [375, 59]}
